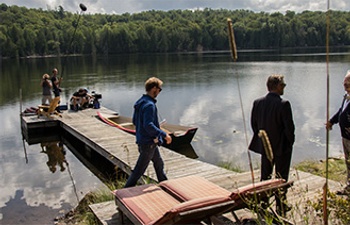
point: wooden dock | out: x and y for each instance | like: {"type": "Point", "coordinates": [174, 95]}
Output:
{"type": "Point", "coordinates": [119, 148]}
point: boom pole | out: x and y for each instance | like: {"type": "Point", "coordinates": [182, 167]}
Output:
{"type": "Point", "coordinates": [234, 56]}
{"type": "Point", "coordinates": [325, 187]}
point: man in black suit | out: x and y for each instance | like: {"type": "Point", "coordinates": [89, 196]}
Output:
{"type": "Point", "coordinates": [343, 118]}
{"type": "Point", "coordinates": [273, 114]}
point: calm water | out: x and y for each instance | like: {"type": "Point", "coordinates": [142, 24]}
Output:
{"type": "Point", "coordinates": [198, 90]}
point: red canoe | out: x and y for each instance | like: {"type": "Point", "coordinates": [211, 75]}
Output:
{"type": "Point", "coordinates": [181, 135]}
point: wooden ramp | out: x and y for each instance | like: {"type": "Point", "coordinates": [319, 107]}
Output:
{"type": "Point", "coordinates": [119, 148]}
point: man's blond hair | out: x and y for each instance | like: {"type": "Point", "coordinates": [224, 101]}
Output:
{"type": "Point", "coordinates": [153, 82]}
{"type": "Point", "coordinates": [273, 81]}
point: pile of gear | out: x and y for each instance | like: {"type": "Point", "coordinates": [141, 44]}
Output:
{"type": "Point", "coordinates": [81, 99]}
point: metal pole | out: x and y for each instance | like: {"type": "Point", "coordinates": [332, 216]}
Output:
{"type": "Point", "coordinates": [325, 187]}
{"type": "Point", "coordinates": [234, 58]}
{"type": "Point", "coordinates": [83, 9]}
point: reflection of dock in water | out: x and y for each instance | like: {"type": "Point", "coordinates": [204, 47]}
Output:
{"type": "Point", "coordinates": [51, 144]}
{"type": "Point", "coordinates": [56, 155]}
{"type": "Point", "coordinates": [98, 165]}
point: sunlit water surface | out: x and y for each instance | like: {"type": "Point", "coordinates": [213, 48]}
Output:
{"type": "Point", "coordinates": [205, 90]}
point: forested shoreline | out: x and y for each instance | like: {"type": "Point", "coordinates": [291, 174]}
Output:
{"type": "Point", "coordinates": [37, 32]}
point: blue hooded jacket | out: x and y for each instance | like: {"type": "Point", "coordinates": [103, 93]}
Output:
{"type": "Point", "coordinates": [145, 119]}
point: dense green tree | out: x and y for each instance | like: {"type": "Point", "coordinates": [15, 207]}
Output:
{"type": "Point", "coordinates": [30, 37]}
{"type": "Point", "coordinates": [41, 43]}
{"type": "Point", "coordinates": [104, 39]}
{"type": "Point", "coordinates": [26, 32]}
{"type": "Point", "coordinates": [143, 39]}
{"type": "Point", "coordinates": [118, 39]}
{"type": "Point", "coordinates": [90, 40]}
{"type": "Point", "coordinates": [3, 41]}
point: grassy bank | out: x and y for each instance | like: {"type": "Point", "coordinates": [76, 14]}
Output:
{"type": "Point", "coordinates": [336, 168]}
{"type": "Point", "coordinates": [82, 213]}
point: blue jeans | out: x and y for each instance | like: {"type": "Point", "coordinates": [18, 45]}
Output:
{"type": "Point", "coordinates": [149, 152]}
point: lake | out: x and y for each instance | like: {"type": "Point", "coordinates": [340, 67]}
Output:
{"type": "Point", "coordinates": [202, 90]}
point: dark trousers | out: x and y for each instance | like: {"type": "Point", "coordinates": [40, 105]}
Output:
{"type": "Point", "coordinates": [282, 164]}
{"type": "Point", "coordinates": [148, 153]}
{"type": "Point", "coordinates": [56, 93]}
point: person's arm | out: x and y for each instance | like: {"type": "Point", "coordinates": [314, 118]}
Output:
{"type": "Point", "coordinates": [59, 81]}
{"type": "Point", "coordinates": [335, 117]}
{"type": "Point", "coordinates": [254, 143]}
{"type": "Point", "coordinates": [333, 120]}
{"type": "Point", "coordinates": [288, 122]}
{"type": "Point", "coordinates": [253, 119]}
{"type": "Point", "coordinates": [329, 125]}
{"type": "Point", "coordinates": [49, 83]}
{"type": "Point", "coordinates": [148, 122]}
{"type": "Point", "coordinates": [56, 81]}
{"type": "Point", "coordinates": [168, 138]}
{"type": "Point", "coordinates": [45, 81]}
{"type": "Point", "coordinates": [89, 97]}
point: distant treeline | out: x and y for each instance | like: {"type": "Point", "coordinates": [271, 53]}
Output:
{"type": "Point", "coordinates": [27, 32]}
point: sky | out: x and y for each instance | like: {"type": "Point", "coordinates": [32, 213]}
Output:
{"type": "Point", "coordinates": [136, 6]}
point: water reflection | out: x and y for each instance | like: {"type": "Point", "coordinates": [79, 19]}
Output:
{"type": "Point", "coordinates": [199, 90]}
{"type": "Point", "coordinates": [18, 210]}
{"type": "Point", "coordinates": [56, 155]}
{"type": "Point", "coordinates": [46, 186]}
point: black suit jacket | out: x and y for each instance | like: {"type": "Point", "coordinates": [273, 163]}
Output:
{"type": "Point", "coordinates": [343, 118]}
{"type": "Point", "coordinates": [274, 115]}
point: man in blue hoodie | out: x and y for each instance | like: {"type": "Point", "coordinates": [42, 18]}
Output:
{"type": "Point", "coordinates": [148, 133]}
